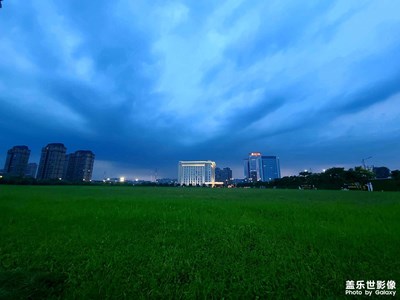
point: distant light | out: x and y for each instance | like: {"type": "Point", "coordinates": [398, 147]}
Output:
{"type": "Point", "coordinates": [255, 154]}
{"type": "Point", "coordinates": [323, 170]}
{"type": "Point", "coordinates": [122, 179]}
{"type": "Point", "coordinates": [59, 178]}
{"type": "Point", "coordinates": [305, 170]}
{"type": "Point", "coordinates": [136, 179]}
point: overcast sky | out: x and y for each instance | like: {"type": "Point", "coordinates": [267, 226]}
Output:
{"type": "Point", "coordinates": [144, 84]}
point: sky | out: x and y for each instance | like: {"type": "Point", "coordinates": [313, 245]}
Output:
{"type": "Point", "coordinates": [145, 84]}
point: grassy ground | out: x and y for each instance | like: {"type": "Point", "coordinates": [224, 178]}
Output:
{"type": "Point", "coordinates": [128, 242]}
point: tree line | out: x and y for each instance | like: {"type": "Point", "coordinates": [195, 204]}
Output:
{"type": "Point", "coordinates": [333, 179]}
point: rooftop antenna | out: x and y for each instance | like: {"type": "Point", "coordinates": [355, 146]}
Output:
{"type": "Point", "coordinates": [363, 162]}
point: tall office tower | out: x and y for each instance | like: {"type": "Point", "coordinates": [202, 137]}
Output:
{"type": "Point", "coordinates": [261, 168]}
{"type": "Point", "coordinates": [223, 175]}
{"type": "Point", "coordinates": [196, 172]}
{"type": "Point", "coordinates": [52, 160]}
{"type": "Point", "coordinates": [253, 167]}
{"type": "Point", "coordinates": [79, 166]}
{"type": "Point", "coordinates": [218, 175]}
{"type": "Point", "coordinates": [17, 161]}
{"type": "Point", "coordinates": [270, 168]}
{"type": "Point", "coordinates": [31, 170]}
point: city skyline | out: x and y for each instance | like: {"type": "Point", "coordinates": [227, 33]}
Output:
{"type": "Point", "coordinates": [315, 84]}
{"type": "Point", "coordinates": [54, 163]}
{"type": "Point", "coordinates": [78, 166]}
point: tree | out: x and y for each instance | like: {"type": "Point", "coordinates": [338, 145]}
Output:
{"type": "Point", "coordinates": [363, 175]}
{"type": "Point", "coordinates": [395, 174]}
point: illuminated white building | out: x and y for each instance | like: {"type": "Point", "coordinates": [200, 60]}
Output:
{"type": "Point", "coordinates": [196, 172]}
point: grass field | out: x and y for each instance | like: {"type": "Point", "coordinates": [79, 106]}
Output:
{"type": "Point", "coordinates": [128, 242]}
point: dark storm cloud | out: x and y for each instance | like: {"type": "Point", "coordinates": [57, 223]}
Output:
{"type": "Point", "coordinates": [370, 95]}
{"type": "Point", "coordinates": [145, 85]}
{"type": "Point", "coordinates": [277, 32]}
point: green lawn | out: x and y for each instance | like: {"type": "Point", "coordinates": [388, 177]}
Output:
{"type": "Point", "coordinates": [129, 242]}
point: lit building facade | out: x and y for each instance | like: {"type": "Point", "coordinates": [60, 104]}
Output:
{"type": "Point", "coordinates": [79, 166]}
{"type": "Point", "coordinates": [17, 161]}
{"type": "Point", "coordinates": [261, 168]}
{"type": "Point", "coordinates": [253, 167]}
{"type": "Point", "coordinates": [52, 161]}
{"type": "Point", "coordinates": [196, 172]}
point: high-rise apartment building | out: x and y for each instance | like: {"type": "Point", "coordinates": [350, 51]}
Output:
{"type": "Point", "coordinates": [17, 161]}
{"type": "Point", "coordinates": [261, 168]}
{"type": "Point", "coordinates": [79, 166]}
{"type": "Point", "coordinates": [52, 161]}
{"type": "Point", "coordinates": [196, 172]}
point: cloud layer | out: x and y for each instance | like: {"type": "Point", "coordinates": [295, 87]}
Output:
{"type": "Point", "coordinates": [145, 85]}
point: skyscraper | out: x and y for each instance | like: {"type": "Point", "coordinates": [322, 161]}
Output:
{"type": "Point", "coordinates": [261, 168]}
{"type": "Point", "coordinates": [17, 161]}
{"type": "Point", "coordinates": [79, 166]}
{"type": "Point", "coordinates": [52, 160]}
{"type": "Point", "coordinates": [196, 172]}
{"type": "Point", "coordinates": [270, 168]}
{"type": "Point", "coordinates": [253, 167]}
